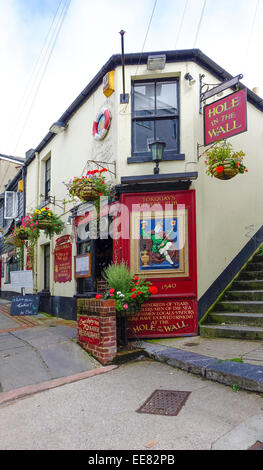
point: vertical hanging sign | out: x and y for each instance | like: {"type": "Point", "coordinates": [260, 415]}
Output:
{"type": "Point", "coordinates": [63, 260]}
{"type": "Point", "coordinates": [226, 117]}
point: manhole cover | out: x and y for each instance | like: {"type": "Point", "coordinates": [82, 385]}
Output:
{"type": "Point", "coordinates": [164, 402]}
{"type": "Point", "coordinates": [257, 446]}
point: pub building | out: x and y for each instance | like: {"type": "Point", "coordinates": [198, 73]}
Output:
{"type": "Point", "coordinates": [147, 119]}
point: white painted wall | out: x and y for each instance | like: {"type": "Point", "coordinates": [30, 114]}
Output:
{"type": "Point", "coordinates": [224, 208]}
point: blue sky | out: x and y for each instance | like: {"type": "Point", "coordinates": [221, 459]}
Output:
{"type": "Point", "coordinates": [89, 36]}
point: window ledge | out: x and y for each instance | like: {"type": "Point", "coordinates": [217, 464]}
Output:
{"type": "Point", "coordinates": [148, 158]}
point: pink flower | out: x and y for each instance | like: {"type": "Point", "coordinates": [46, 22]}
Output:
{"type": "Point", "coordinates": [125, 306]}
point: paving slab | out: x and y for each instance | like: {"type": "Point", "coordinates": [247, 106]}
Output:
{"type": "Point", "coordinates": [65, 359]}
{"type": "Point", "coordinates": [9, 342]}
{"type": "Point", "coordinates": [41, 337]}
{"type": "Point", "coordinates": [25, 368]}
{"type": "Point", "coordinates": [6, 322]}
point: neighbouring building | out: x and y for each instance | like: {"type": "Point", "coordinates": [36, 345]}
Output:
{"type": "Point", "coordinates": [215, 225]}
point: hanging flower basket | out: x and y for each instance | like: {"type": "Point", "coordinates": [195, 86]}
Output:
{"type": "Point", "coordinates": [223, 162]}
{"type": "Point", "coordinates": [44, 224]}
{"type": "Point", "coordinates": [225, 170]}
{"type": "Point", "coordinates": [90, 187]}
{"type": "Point", "coordinates": [17, 237]}
{"type": "Point", "coordinates": [85, 191]}
{"type": "Point", "coordinates": [21, 233]}
{"type": "Point", "coordinates": [43, 219]}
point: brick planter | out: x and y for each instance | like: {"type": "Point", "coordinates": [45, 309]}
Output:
{"type": "Point", "coordinates": [97, 328]}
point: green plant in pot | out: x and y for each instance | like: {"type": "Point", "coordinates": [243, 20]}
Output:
{"type": "Point", "coordinates": [128, 291]}
{"type": "Point", "coordinates": [223, 162]}
{"type": "Point", "coordinates": [46, 220]}
{"type": "Point", "coordinates": [90, 186]}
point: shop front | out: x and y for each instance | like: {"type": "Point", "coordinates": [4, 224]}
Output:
{"type": "Point", "coordinates": [154, 233]}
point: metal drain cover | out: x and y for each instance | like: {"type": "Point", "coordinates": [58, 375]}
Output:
{"type": "Point", "coordinates": [164, 402]}
{"type": "Point", "coordinates": [257, 446]}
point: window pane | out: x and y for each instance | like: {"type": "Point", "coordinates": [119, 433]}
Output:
{"type": "Point", "coordinates": [144, 99]}
{"type": "Point", "coordinates": [167, 130]}
{"type": "Point", "coordinates": [166, 98]}
{"type": "Point", "coordinates": [143, 130]}
{"type": "Point", "coordinates": [47, 267]}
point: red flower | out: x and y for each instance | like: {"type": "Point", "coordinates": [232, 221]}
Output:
{"type": "Point", "coordinates": [246, 170]}
{"type": "Point", "coordinates": [111, 291]}
{"type": "Point", "coordinates": [98, 296]}
{"type": "Point", "coordinates": [133, 296]}
{"type": "Point", "coordinates": [136, 278]}
{"type": "Point", "coordinates": [133, 290]}
{"type": "Point", "coordinates": [139, 292]}
{"type": "Point", "coordinates": [219, 169]}
{"type": "Point", "coordinates": [153, 290]}
{"type": "Point", "coordinates": [100, 194]}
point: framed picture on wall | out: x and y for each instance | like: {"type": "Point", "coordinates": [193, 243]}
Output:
{"type": "Point", "coordinates": [159, 244]}
{"type": "Point", "coordinates": [82, 265]}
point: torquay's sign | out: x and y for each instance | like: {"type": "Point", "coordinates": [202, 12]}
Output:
{"type": "Point", "coordinates": [226, 117]}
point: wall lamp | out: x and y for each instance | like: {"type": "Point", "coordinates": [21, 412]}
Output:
{"type": "Point", "coordinates": [189, 78]}
{"type": "Point", "coordinates": [156, 62]}
{"type": "Point", "coordinates": [58, 127]}
{"type": "Point", "coordinates": [157, 149]}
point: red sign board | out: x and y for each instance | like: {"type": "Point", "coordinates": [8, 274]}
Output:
{"type": "Point", "coordinates": [226, 117]}
{"type": "Point", "coordinates": [89, 330]}
{"type": "Point", "coordinates": [63, 262]}
{"type": "Point", "coordinates": [165, 318]}
{"type": "Point", "coordinates": [157, 239]}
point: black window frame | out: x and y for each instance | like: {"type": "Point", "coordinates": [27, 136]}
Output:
{"type": "Point", "coordinates": [47, 178]}
{"type": "Point", "coordinates": [168, 153]}
{"type": "Point", "coordinates": [47, 260]}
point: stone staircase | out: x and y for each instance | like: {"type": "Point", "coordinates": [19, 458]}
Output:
{"type": "Point", "coordinates": [239, 312]}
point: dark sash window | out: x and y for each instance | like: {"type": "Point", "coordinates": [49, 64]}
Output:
{"type": "Point", "coordinates": [155, 114]}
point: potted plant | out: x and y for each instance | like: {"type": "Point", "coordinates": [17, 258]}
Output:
{"type": "Point", "coordinates": [223, 162]}
{"type": "Point", "coordinates": [44, 219]}
{"type": "Point", "coordinates": [14, 240]}
{"type": "Point", "coordinates": [89, 187]}
{"type": "Point", "coordinates": [128, 292]}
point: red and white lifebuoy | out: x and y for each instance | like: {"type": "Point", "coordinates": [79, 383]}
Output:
{"type": "Point", "coordinates": [101, 124]}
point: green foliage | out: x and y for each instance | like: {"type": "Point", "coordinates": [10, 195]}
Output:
{"type": "Point", "coordinates": [128, 292]}
{"type": "Point", "coordinates": [118, 277]}
{"type": "Point", "coordinates": [94, 179]}
{"type": "Point", "coordinates": [221, 151]}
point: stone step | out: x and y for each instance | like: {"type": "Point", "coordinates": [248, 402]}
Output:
{"type": "Point", "coordinates": [247, 285]}
{"type": "Point", "coordinates": [244, 295]}
{"type": "Point", "coordinates": [231, 331]}
{"type": "Point", "coordinates": [254, 266]}
{"type": "Point", "coordinates": [239, 306]}
{"type": "Point", "coordinates": [250, 275]}
{"type": "Point", "coordinates": [245, 319]}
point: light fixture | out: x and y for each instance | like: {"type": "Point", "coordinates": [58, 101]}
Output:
{"type": "Point", "coordinates": [156, 62]}
{"type": "Point", "coordinates": [58, 127]}
{"type": "Point", "coordinates": [189, 78]}
{"type": "Point", "coordinates": [157, 149]}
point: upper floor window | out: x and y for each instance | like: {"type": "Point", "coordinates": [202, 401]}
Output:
{"type": "Point", "coordinates": [47, 178]}
{"type": "Point", "coordinates": [155, 115]}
